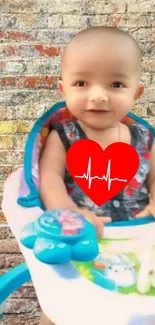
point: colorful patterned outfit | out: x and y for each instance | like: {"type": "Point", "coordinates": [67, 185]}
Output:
{"type": "Point", "coordinates": [134, 197]}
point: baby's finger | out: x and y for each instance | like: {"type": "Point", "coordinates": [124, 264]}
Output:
{"type": "Point", "coordinates": [99, 231]}
{"type": "Point", "coordinates": [144, 213]}
{"type": "Point", "coordinates": [105, 219]}
{"type": "Point", "coordinates": [99, 225]}
{"type": "Point", "coordinates": [141, 215]}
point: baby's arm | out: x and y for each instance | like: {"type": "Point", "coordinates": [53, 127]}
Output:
{"type": "Point", "coordinates": [151, 175]}
{"type": "Point", "coordinates": [150, 182]}
{"type": "Point", "coordinates": [53, 191]}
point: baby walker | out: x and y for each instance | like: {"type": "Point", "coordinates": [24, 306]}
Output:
{"type": "Point", "coordinates": [117, 272]}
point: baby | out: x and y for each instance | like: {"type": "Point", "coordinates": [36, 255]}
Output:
{"type": "Point", "coordinates": [100, 81]}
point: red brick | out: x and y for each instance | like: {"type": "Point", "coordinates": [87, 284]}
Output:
{"type": "Point", "coordinates": [49, 51]}
{"type": "Point", "coordinates": [19, 50]}
{"type": "Point", "coordinates": [14, 36]}
{"type": "Point", "coordinates": [18, 36]}
{"type": "Point", "coordinates": [8, 81]}
{"type": "Point", "coordinates": [28, 82]}
{"type": "Point", "coordinates": [38, 82]}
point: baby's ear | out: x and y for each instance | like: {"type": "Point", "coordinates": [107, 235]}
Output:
{"type": "Point", "coordinates": [60, 87]}
{"type": "Point", "coordinates": [139, 91]}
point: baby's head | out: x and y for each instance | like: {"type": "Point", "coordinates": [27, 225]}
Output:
{"type": "Point", "coordinates": [100, 74]}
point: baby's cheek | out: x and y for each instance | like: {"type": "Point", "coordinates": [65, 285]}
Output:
{"type": "Point", "coordinates": [75, 105]}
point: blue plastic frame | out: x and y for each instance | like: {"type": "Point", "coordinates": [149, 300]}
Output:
{"type": "Point", "coordinates": [12, 280]}
{"type": "Point", "coordinates": [129, 223]}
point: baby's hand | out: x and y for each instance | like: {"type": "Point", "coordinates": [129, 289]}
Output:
{"type": "Point", "coordinates": [148, 210]}
{"type": "Point", "coordinates": [98, 222]}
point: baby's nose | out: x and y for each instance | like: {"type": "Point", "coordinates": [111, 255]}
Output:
{"type": "Point", "coordinates": [99, 95]}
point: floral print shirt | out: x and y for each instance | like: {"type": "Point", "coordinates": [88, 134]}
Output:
{"type": "Point", "coordinates": [134, 197]}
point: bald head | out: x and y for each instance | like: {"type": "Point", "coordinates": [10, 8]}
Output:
{"type": "Point", "coordinates": [103, 39]}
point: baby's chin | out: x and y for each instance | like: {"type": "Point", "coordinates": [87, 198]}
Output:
{"type": "Point", "coordinates": [99, 124]}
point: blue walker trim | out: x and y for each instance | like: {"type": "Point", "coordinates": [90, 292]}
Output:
{"type": "Point", "coordinates": [32, 199]}
{"type": "Point", "coordinates": [142, 122]}
{"type": "Point", "coordinates": [12, 280]}
{"type": "Point", "coordinates": [129, 223]}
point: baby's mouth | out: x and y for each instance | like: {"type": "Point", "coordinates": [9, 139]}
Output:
{"type": "Point", "coordinates": [98, 111]}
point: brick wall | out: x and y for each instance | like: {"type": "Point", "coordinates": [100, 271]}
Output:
{"type": "Point", "coordinates": [32, 37]}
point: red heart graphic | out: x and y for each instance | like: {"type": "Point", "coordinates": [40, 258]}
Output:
{"type": "Point", "coordinates": [102, 174]}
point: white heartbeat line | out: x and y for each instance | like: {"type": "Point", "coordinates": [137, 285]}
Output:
{"type": "Point", "coordinates": [88, 176]}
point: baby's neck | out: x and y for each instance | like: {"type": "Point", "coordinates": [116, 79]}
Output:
{"type": "Point", "coordinates": [106, 136]}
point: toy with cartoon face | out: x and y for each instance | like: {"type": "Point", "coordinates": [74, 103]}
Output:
{"type": "Point", "coordinates": [117, 268]}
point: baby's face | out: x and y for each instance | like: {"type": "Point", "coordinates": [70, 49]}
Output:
{"type": "Point", "coordinates": [100, 82]}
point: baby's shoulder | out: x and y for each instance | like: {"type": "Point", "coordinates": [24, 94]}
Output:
{"type": "Point", "coordinates": [66, 124]}
{"type": "Point", "coordinates": [143, 134]}
{"type": "Point", "coordinates": [140, 129]}
{"type": "Point", "coordinates": [67, 130]}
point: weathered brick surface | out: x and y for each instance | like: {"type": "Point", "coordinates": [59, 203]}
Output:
{"type": "Point", "coordinates": [32, 38]}
{"type": "Point", "coordinates": [14, 97]}
{"type": "Point", "coordinates": [26, 291]}
{"type": "Point", "coordinates": [142, 6]}
{"type": "Point", "coordinates": [27, 82]}
{"type": "Point", "coordinates": [20, 320]}
{"type": "Point", "coordinates": [22, 305]}
{"type": "Point", "coordinates": [5, 171]}
{"type": "Point", "coordinates": [28, 51]}
{"type": "Point", "coordinates": [5, 232]}
{"type": "Point", "coordinates": [10, 260]}
{"type": "Point", "coordinates": [10, 127]}
{"type": "Point", "coordinates": [9, 247]}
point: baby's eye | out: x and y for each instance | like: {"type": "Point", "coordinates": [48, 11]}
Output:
{"type": "Point", "coordinates": [80, 84]}
{"type": "Point", "coordinates": [117, 85]}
